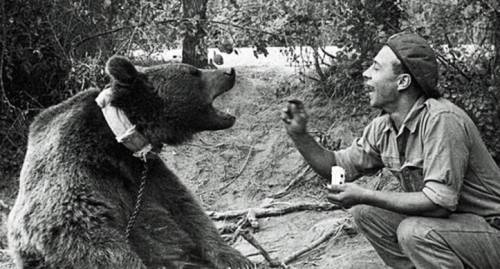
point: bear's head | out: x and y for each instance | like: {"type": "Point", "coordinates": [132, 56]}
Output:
{"type": "Point", "coordinates": [169, 103]}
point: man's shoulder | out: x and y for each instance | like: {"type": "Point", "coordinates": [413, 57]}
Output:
{"type": "Point", "coordinates": [379, 124]}
{"type": "Point", "coordinates": [435, 107]}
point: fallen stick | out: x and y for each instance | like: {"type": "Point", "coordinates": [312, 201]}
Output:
{"type": "Point", "coordinates": [249, 237]}
{"type": "Point", "coordinates": [270, 212]}
{"type": "Point", "coordinates": [233, 178]}
{"type": "Point", "coordinates": [239, 228]}
{"type": "Point", "coordinates": [292, 183]}
{"type": "Point", "coordinates": [334, 232]}
{"type": "Point", "coordinates": [256, 253]}
{"type": "Point", "coordinates": [250, 220]}
{"type": "Point", "coordinates": [228, 228]}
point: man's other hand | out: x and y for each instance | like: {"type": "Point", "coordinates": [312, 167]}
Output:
{"type": "Point", "coordinates": [346, 195]}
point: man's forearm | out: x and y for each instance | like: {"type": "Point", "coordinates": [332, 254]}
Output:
{"type": "Point", "coordinates": [320, 159]}
{"type": "Point", "coordinates": [408, 203]}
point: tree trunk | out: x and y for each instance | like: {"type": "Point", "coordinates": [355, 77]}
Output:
{"type": "Point", "coordinates": [496, 61]}
{"type": "Point", "coordinates": [194, 47]}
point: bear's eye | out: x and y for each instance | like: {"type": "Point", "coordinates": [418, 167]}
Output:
{"type": "Point", "coordinates": [195, 72]}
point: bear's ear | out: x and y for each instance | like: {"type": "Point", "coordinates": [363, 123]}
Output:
{"type": "Point", "coordinates": [121, 70]}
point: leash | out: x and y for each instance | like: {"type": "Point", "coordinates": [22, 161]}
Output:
{"type": "Point", "coordinates": [127, 134]}
{"type": "Point", "coordinates": [138, 200]}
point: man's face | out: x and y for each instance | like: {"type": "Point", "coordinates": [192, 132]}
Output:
{"type": "Point", "coordinates": [380, 79]}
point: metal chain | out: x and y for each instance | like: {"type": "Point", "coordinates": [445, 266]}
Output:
{"type": "Point", "coordinates": [138, 202]}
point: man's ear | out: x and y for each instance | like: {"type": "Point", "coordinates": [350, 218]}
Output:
{"type": "Point", "coordinates": [404, 81]}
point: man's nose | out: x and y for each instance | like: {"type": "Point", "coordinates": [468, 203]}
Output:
{"type": "Point", "coordinates": [366, 75]}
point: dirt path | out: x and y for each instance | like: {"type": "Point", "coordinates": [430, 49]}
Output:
{"type": "Point", "coordinates": [244, 166]}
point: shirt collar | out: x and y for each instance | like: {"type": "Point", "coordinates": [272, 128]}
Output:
{"type": "Point", "coordinates": [412, 118]}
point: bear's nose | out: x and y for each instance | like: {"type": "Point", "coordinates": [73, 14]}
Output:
{"type": "Point", "coordinates": [230, 72]}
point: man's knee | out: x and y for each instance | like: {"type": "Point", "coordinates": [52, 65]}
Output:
{"type": "Point", "coordinates": [412, 232]}
{"type": "Point", "coordinates": [362, 214]}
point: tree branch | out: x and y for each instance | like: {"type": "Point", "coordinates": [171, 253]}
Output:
{"type": "Point", "coordinates": [103, 34]}
{"type": "Point", "coordinates": [270, 212]}
{"type": "Point", "coordinates": [335, 232]}
{"type": "Point", "coordinates": [327, 53]}
{"type": "Point", "coordinates": [179, 20]}
{"type": "Point", "coordinates": [445, 61]}
{"type": "Point", "coordinates": [2, 56]}
{"type": "Point", "coordinates": [250, 239]}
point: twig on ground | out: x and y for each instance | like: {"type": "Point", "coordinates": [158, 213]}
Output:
{"type": "Point", "coordinates": [207, 146]}
{"type": "Point", "coordinates": [239, 227]}
{"type": "Point", "coordinates": [258, 253]}
{"type": "Point", "coordinates": [228, 228]}
{"type": "Point", "coordinates": [292, 183]}
{"type": "Point", "coordinates": [269, 212]}
{"type": "Point", "coordinates": [233, 178]}
{"type": "Point", "coordinates": [335, 232]}
{"type": "Point", "coordinates": [250, 220]}
{"type": "Point", "coordinates": [249, 237]}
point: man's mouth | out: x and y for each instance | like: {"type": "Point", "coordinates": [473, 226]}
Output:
{"type": "Point", "coordinates": [368, 89]}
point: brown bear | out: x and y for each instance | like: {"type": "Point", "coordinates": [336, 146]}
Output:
{"type": "Point", "coordinates": [80, 182]}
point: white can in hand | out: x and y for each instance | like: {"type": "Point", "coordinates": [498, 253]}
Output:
{"type": "Point", "coordinates": [338, 175]}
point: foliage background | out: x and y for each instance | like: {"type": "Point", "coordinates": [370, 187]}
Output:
{"type": "Point", "coordinates": [51, 49]}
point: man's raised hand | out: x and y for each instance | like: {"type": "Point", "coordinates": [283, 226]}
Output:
{"type": "Point", "coordinates": [295, 117]}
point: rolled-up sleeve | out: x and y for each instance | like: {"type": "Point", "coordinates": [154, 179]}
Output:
{"type": "Point", "coordinates": [363, 156]}
{"type": "Point", "coordinates": [446, 154]}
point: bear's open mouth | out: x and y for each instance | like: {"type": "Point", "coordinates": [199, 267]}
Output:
{"type": "Point", "coordinates": [223, 114]}
{"type": "Point", "coordinates": [220, 119]}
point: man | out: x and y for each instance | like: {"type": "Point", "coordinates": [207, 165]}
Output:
{"type": "Point", "coordinates": [450, 204]}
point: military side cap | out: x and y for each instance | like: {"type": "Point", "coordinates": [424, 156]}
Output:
{"type": "Point", "coordinates": [419, 58]}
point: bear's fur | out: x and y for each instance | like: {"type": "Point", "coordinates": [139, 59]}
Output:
{"type": "Point", "coordinates": [78, 185]}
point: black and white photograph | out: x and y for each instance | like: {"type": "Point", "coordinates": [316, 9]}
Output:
{"type": "Point", "coordinates": [249, 134]}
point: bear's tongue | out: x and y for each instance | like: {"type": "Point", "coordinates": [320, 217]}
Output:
{"type": "Point", "coordinates": [222, 114]}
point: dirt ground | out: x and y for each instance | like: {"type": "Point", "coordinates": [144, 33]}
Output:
{"type": "Point", "coordinates": [245, 166]}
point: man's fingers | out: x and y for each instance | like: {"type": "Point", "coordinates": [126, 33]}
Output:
{"type": "Point", "coordinates": [297, 103]}
{"type": "Point", "coordinates": [335, 188]}
{"type": "Point", "coordinates": [295, 106]}
{"type": "Point", "coordinates": [284, 116]}
{"type": "Point", "coordinates": [333, 198]}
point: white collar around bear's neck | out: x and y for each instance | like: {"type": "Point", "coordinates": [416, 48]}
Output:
{"type": "Point", "coordinates": [121, 126]}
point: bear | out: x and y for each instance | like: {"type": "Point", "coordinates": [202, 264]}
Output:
{"type": "Point", "coordinates": [80, 184]}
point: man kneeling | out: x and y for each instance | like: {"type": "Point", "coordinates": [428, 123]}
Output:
{"type": "Point", "coordinates": [445, 217]}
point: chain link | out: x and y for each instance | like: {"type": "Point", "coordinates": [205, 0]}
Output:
{"type": "Point", "coordinates": [138, 202]}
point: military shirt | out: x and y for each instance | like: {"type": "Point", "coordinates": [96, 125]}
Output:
{"type": "Point", "coordinates": [438, 150]}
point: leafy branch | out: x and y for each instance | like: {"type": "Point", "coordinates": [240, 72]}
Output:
{"type": "Point", "coordinates": [178, 21]}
